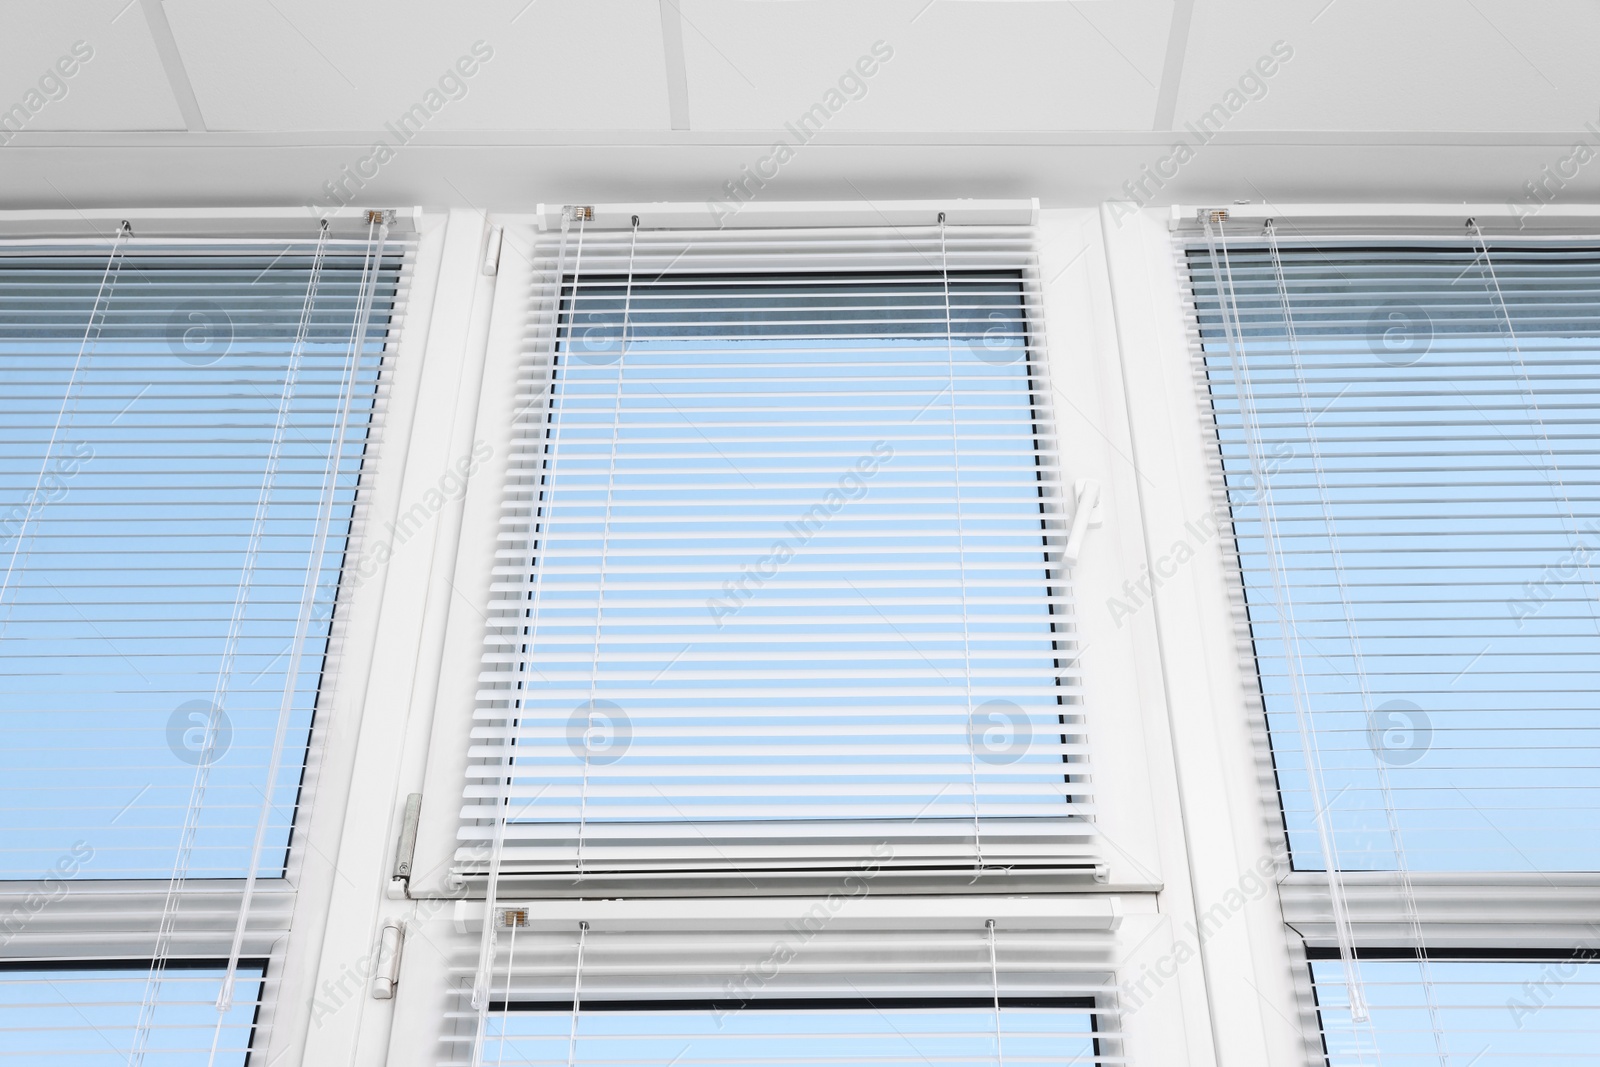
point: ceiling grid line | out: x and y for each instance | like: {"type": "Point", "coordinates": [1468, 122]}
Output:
{"type": "Point", "coordinates": [155, 16]}
{"type": "Point", "coordinates": [677, 68]}
{"type": "Point", "coordinates": [1172, 67]}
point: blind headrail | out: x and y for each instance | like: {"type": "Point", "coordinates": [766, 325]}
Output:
{"type": "Point", "coordinates": [799, 213]}
{"type": "Point", "coordinates": [1516, 217]}
{"type": "Point", "coordinates": [235, 222]}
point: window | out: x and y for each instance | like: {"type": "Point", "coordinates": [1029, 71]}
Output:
{"type": "Point", "coordinates": [780, 628]}
{"type": "Point", "coordinates": [1406, 430]}
{"type": "Point", "coordinates": [184, 425]}
{"type": "Point", "coordinates": [779, 584]}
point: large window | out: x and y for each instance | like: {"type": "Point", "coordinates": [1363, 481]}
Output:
{"type": "Point", "coordinates": [1409, 436]}
{"type": "Point", "coordinates": [182, 431]}
{"type": "Point", "coordinates": [781, 606]}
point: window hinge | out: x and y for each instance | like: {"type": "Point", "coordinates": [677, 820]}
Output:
{"type": "Point", "coordinates": [491, 251]}
{"type": "Point", "coordinates": [405, 852]}
{"type": "Point", "coordinates": [386, 975]}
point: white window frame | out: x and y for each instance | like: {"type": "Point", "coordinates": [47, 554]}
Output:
{"type": "Point", "coordinates": [435, 650]}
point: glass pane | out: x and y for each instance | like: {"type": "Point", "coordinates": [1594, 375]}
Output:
{"type": "Point", "coordinates": [1483, 1013]}
{"type": "Point", "coordinates": [89, 1018]}
{"type": "Point", "coordinates": [1460, 474]}
{"type": "Point", "coordinates": [794, 564]}
{"type": "Point", "coordinates": [951, 1037]}
{"type": "Point", "coordinates": [132, 465]}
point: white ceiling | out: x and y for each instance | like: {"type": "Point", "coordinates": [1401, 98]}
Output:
{"type": "Point", "coordinates": [1465, 99]}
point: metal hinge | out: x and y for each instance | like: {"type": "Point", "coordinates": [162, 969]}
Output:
{"type": "Point", "coordinates": [405, 853]}
{"type": "Point", "coordinates": [491, 251]}
{"type": "Point", "coordinates": [386, 974]}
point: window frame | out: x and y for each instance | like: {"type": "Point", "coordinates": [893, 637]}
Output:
{"type": "Point", "coordinates": [1457, 911]}
{"type": "Point", "coordinates": [112, 922]}
{"type": "Point", "coordinates": [1132, 750]}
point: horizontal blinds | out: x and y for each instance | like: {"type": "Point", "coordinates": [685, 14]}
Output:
{"type": "Point", "coordinates": [88, 1016]}
{"type": "Point", "coordinates": [59, 918]}
{"type": "Point", "coordinates": [798, 992]}
{"type": "Point", "coordinates": [1488, 1012]}
{"type": "Point", "coordinates": [775, 584]}
{"type": "Point", "coordinates": [1415, 531]}
{"type": "Point", "coordinates": [149, 393]}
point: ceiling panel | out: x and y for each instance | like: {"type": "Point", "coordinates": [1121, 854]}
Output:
{"type": "Point", "coordinates": [1479, 65]}
{"type": "Point", "coordinates": [120, 87]}
{"type": "Point", "coordinates": [957, 64]}
{"type": "Point", "coordinates": [310, 65]}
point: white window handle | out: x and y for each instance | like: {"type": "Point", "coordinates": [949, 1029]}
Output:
{"type": "Point", "coordinates": [1086, 513]}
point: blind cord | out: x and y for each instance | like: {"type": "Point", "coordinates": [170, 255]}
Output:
{"type": "Point", "coordinates": [1560, 487]}
{"type": "Point", "coordinates": [1283, 604]}
{"type": "Point", "coordinates": [994, 979]}
{"type": "Point", "coordinates": [1347, 609]}
{"type": "Point", "coordinates": [513, 920]}
{"type": "Point", "coordinates": [961, 556]}
{"type": "Point", "coordinates": [538, 538]}
{"type": "Point", "coordinates": [313, 569]}
{"type": "Point", "coordinates": [91, 337]}
{"type": "Point", "coordinates": [605, 547]}
{"type": "Point", "coordinates": [577, 991]}
{"type": "Point", "coordinates": [219, 696]}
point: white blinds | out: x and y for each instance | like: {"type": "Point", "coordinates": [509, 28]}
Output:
{"type": "Point", "coordinates": [814, 990]}
{"type": "Point", "coordinates": [1410, 436]}
{"type": "Point", "coordinates": [174, 457]}
{"type": "Point", "coordinates": [1491, 1011]}
{"type": "Point", "coordinates": [776, 584]}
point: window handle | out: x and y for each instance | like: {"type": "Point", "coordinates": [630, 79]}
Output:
{"type": "Point", "coordinates": [1086, 513]}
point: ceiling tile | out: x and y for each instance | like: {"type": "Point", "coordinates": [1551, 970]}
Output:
{"type": "Point", "coordinates": [122, 85]}
{"type": "Point", "coordinates": [1359, 65]}
{"type": "Point", "coordinates": [957, 64]}
{"type": "Point", "coordinates": [311, 65]}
